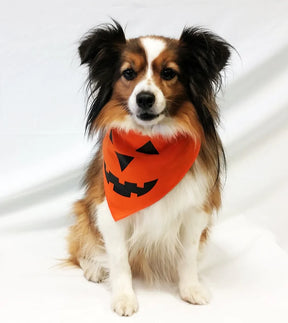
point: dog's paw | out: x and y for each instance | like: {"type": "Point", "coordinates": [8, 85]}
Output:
{"type": "Point", "coordinates": [195, 294]}
{"type": "Point", "coordinates": [92, 271]}
{"type": "Point", "coordinates": [125, 304]}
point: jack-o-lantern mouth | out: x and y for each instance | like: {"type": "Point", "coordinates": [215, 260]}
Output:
{"type": "Point", "coordinates": [127, 188]}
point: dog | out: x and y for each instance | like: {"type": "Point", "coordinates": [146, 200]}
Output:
{"type": "Point", "coordinates": [155, 182]}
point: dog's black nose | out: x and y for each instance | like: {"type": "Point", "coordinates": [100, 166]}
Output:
{"type": "Point", "coordinates": [145, 100]}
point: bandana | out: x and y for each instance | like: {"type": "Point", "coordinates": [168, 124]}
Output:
{"type": "Point", "coordinates": [140, 170]}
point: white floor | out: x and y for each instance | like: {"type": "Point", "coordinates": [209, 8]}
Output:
{"type": "Point", "coordinates": [244, 268]}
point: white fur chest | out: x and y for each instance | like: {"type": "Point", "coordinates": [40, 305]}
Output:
{"type": "Point", "coordinates": [162, 220]}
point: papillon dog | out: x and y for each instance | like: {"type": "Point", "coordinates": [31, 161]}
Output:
{"type": "Point", "coordinates": [155, 181]}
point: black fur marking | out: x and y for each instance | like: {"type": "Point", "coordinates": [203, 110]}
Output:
{"type": "Point", "coordinates": [148, 148]}
{"type": "Point", "coordinates": [202, 56]}
{"type": "Point", "coordinates": [101, 51]}
{"type": "Point", "coordinates": [127, 188]}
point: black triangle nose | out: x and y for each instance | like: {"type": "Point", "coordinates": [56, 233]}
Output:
{"type": "Point", "coordinates": [145, 100]}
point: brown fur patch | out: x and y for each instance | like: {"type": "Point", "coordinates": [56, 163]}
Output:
{"type": "Point", "coordinates": [204, 237]}
{"type": "Point", "coordinates": [186, 117]}
{"type": "Point", "coordinates": [173, 90]}
{"type": "Point", "coordinates": [83, 236]}
{"type": "Point", "coordinates": [112, 111]}
{"type": "Point", "coordinates": [141, 268]}
{"type": "Point", "coordinates": [132, 57]}
{"type": "Point", "coordinates": [213, 201]}
{"type": "Point", "coordinates": [156, 265]}
{"type": "Point", "coordinates": [84, 239]}
{"type": "Point", "coordinates": [94, 181]}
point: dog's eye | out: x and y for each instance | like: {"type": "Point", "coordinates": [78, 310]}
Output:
{"type": "Point", "coordinates": [129, 74]}
{"type": "Point", "coordinates": [168, 74]}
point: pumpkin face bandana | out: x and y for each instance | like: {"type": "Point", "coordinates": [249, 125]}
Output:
{"type": "Point", "coordinates": [139, 170]}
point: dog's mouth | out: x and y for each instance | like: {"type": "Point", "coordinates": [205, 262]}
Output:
{"type": "Point", "coordinates": [147, 116]}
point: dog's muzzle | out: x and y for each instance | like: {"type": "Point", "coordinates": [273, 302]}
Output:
{"type": "Point", "coordinates": [145, 101]}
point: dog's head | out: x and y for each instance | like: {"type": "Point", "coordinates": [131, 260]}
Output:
{"type": "Point", "coordinates": [153, 83]}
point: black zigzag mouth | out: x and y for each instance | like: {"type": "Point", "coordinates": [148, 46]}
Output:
{"type": "Point", "coordinates": [127, 188]}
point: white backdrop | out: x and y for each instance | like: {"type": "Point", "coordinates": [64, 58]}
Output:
{"type": "Point", "coordinates": [44, 152]}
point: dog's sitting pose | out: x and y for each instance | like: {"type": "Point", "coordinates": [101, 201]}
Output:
{"type": "Point", "coordinates": [154, 182]}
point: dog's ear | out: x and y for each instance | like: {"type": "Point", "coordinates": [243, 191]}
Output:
{"type": "Point", "coordinates": [101, 50]}
{"type": "Point", "coordinates": [101, 43]}
{"type": "Point", "coordinates": [204, 51]}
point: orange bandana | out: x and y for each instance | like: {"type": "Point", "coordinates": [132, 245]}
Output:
{"type": "Point", "coordinates": [139, 170]}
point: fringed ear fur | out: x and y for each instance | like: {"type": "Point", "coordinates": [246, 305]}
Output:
{"type": "Point", "coordinates": [101, 50]}
{"type": "Point", "coordinates": [202, 56]}
{"type": "Point", "coordinates": [100, 40]}
{"type": "Point", "coordinates": [211, 51]}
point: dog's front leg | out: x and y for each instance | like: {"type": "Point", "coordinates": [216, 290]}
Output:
{"type": "Point", "coordinates": [124, 301]}
{"type": "Point", "coordinates": [190, 288]}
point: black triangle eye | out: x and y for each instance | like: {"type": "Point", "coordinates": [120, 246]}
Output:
{"type": "Point", "coordinates": [124, 160]}
{"type": "Point", "coordinates": [148, 148]}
